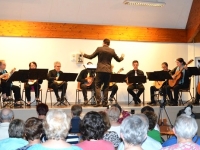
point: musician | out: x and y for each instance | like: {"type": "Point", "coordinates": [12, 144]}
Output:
{"type": "Point", "coordinates": [139, 86]}
{"type": "Point", "coordinates": [103, 72]}
{"type": "Point", "coordinates": [8, 86]}
{"type": "Point", "coordinates": [53, 82]}
{"type": "Point", "coordinates": [83, 79]}
{"type": "Point", "coordinates": [197, 99]}
{"type": "Point", "coordinates": [162, 89]}
{"type": "Point", "coordinates": [182, 83]}
{"type": "Point", "coordinates": [113, 88]}
{"type": "Point", "coordinates": [32, 84]}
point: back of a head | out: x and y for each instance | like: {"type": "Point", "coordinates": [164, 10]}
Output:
{"type": "Point", "coordinates": [76, 110]}
{"type": "Point", "coordinates": [16, 129]}
{"type": "Point", "coordinates": [134, 129]}
{"type": "Point", "coordinates": [56, 125]}
{"type": "Point", "coordinates": [147, 108]}
{"type": "Point", "coordinates": [106, 41]}
{"type": "Point", "coordinates": [42, 109]}
{"type": "Point", "coordinates": [113, 113]}
{"type": "Point", "coordinates": [105, 119]}
{"type": "Point", "coordinates": [185, 127]}
{"type": "Point", "coordinates": [92, 126]}
{"type": "Point", "coordinates": [6, 115]}
{"type": "Point", "coordinates": [118, 106]}
{"type": "Point", "coordinates": [33, 128]}
{"type": "Point", "coordinates": [152, 117]}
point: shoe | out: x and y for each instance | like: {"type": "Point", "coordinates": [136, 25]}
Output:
{"type": "Point", "coordinates": [105, 104]}
{"type": "Point", "coordinates": [17, 105]}
{"type": "Point", "coordinates": [85, 102]}
{"type": "Point", "coordinates": [38, 101]}
{"type": "Point", "coordinates": [5, 100]}
{"type": "Point", "coordinates": [58, 99]}
{"type": "Point", "coordinates": [111, 99]}
{"type": "Point", "coordinates": [195, 103]}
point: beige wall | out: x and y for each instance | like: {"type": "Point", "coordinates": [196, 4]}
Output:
{"type": "Point", "coordinates": [18, 52]}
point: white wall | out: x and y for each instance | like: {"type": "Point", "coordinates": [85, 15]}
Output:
{"type": "Point", "coordinates": [18, 52]}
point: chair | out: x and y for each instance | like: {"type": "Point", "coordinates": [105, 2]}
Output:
{"type": "Point", "coordinates": [32, 90]}
{"type": "Point", "coordinates": [185, 90]}
{"type": "Point", "coordinates": [136, 90]}
{"type": "Point", "coordinates": [50, 90]}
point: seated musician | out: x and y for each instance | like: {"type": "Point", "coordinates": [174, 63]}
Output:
{"type": "Point", "coordinates": [8, 86]}
{"type": "Point", "coordinates": [53, 82]}
{"type": "Point", "coordinates": [139, 86]}
{"type": "Point", "coordinates": [154, 88]}
{"type": "Point", "coordinates": [113, 87]}
{"type": "Point", "coordinates": [182, 83]}
{"type": "Point", "coordinates": [32, 84]}
{"type": "Point", "coordinates": [85, 77]}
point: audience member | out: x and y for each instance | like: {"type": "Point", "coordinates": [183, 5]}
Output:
{"type": "Point", "coordinates": [92, 130]}
{"type": "Point", "coordinates": [56, 127]}
{"type": "Point", "coordinates": [16, 135]}
{"type": "Point", "coordinates": [149, 143]}
{"type": "Point", "coordinates": [113, 114]}
{"type": "Point", "coordinates": [6, 116]}
{"type": "Point", "coordinates": [76, 111]}
{"type": "Point", "coordinates": [109, 135]}
{"type": "Point", "coordinates": [33, 131]}
{"type": "Point", "coordinates": [42, 110]}
{"type": "Point", "coordinates": [185, 128]}
{"type": "Point", "coordinates": [152, 123]}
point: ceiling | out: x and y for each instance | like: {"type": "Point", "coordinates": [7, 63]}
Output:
{"type": "Point", "coordinates": [103, 12]}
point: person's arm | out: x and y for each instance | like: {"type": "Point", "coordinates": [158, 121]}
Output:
{"type": "Point", "coordinates": [92, 55]}
{"type": "Point", "coordinates": [118, 59]}
{"type": "Point", "coordinates": [81, 77]}
{"type": "Point", "coordinates": [50, 76]}
{"type": "Point", "coordinates": [172, 72]}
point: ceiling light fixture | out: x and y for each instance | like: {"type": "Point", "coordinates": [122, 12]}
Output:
{"type": "Point", "coordinates": [155, 3]}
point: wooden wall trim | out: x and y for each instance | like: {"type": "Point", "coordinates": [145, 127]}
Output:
{"type": "Point", "coordinates": [193, 24]}
{"type": "Point", "coordinates": [10, 28]}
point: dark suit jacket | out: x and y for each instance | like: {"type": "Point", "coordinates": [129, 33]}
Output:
{"type": "Point", "coordinates": [132, 73]}
{"type": "Point", "coordinates": [105, 55]}
{"type": "Point", "coordinates": [52, 76]}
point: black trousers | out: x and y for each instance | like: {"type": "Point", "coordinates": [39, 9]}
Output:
{"type": "Point", "coordinates": [113, 89]}
{"type": "Point", "coordinates": [28, 88]}
{"type": "Point", "coordinates": [197, 97]}
{"type": "Point", "coordinates": [152, 92]}
{"type": "Point", "coordinates": [102, 78]}
{"type": "Point", "coordinates": [56, 86]}
{"type": "Point", "coordinates": [140, 88]}
{"type": "Point", "coordinates": [85, 88]}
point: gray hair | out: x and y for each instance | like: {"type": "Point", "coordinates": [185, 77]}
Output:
{"type": "Point", "coordinates": [16, 129]}
{"type": "Point", "coordinates": [6, 114]}
{"type": "Point", "coordinates": [185, 127]}
{"type": "Point", "coordinates": [113, 113]}
{"type": "Point", "coordinates": [57, 124]}
{"type": "Point", "coordinates": [56, 62]}
{"type": "Point", "coordinates": [134, 129]}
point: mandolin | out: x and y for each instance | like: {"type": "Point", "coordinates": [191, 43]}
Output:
{"type": "Point", "coordinates": [7, 75]}
{"type": "Point", "coordinates": [112, 83]}
{"type": "Point", "coordinates": [177, 76]}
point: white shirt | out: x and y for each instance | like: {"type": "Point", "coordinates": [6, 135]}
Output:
{"type": "Point", "coordinates": [149, 144]}
{"type": "Point", "coordinates": [116, 129]}
{"type": "Point", "coordinates": [4, 130]}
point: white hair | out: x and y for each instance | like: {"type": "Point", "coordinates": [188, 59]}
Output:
{"type": "Point", "coordinates": [185, 127]}
{"type": "Point", "coordinates": [6, 114]}
{"type": "Point", "coordinates": [134, 129]}
{"type": "Point", "coordinates": [113, 113]}
{"type": "Point", "coordinates": [57, 62]}
{"type": "Point", "coordinates": [57, 124]}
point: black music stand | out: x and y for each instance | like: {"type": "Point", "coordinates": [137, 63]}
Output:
{"type": "Point", "coordinates": [136, 80]}
{"type": "Point", "coordinates": [117, 78]}
{"type": "Point", "coordinates": [65, 77]}
{"type": "Point", "coordinates": [92, 69]}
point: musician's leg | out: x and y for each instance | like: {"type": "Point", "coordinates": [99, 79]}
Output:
{"type": "Point", "coordinates": [152, 94]}
{"type": "Point", "coordinates": [114, 90]}
{"type": "Point", "coordinates": [37, 90]}
{"type": "Point", "coordinates": [98, 83]}
{"type": "Point", "coordinates": [63, 88]}
{"type": "Point", "coordinates": [17, 93]}
{"type": "Point", "coordinates": [140, 88]}
{"type": "Point", "coordinates": [54, 86]}
{"type": "Point", "coordinates": [27, 88]}
{"type": "Point", "coordinates": [176, 94]}
{"type": "Point", "coordinates": [130, 90]}
{"type": "Point", "coordinates": [84, 91]}
{"type": "Point", "coordinates": [106, 78]}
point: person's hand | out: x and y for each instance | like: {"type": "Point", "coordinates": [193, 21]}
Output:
{"type": "Point", "coordinates": [57, 78]}
{"type": "Point", "coordinates": [185, 67]}
{"type": "Point", "coordinates": [82, 53]}
{"type": "Point", "coordinates": [122, 55]}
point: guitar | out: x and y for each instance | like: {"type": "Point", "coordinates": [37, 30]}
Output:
{"type": "Point", "coordinates": [158, 84]}
{"type": "Point", "coordinates": [7, 75]}
{"type": "Point", "coordinates": [120, 70]}
{"type": "Point", "coordinates": [177, 76]}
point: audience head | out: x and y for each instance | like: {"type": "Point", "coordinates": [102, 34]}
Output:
{"type": "Point", "coordinates": [16, 129]}
{"type": "Point", "coordinates": [147, 108]}
{"type": "Point", "coordinates": [57, 66]}
{"type": "Point", "coordinates": [92, 126]}
{"type": "Point", "coordinates": [152, 117]}
{"type": "Point", "coordinates": [135, 64]}
{"type": "Point", "coordinates": [42, 110]}
{"type": "Point", "coordinates": [185, 127]}
{"type": "Point", "coordinates": [32, 65]}
{"type": "Point", "coordinates": [33, 128]}
{"type": "Point", "coordinates": [6, 115]}
{"type": "Point", "coordinates": [76, 110]}
{"type": "Point", "coordinates": [105, 119]}
{"type": "Point", "coordinates": [106, 42]}
{"type": "Point", "coordinates": [134, 129]}
{"type": "Point", "coordinates": [113, 113]}
{"type": "Point", "coordinates": [118, 106]}
{"type": "Point", "coordinates": [56, 125]}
